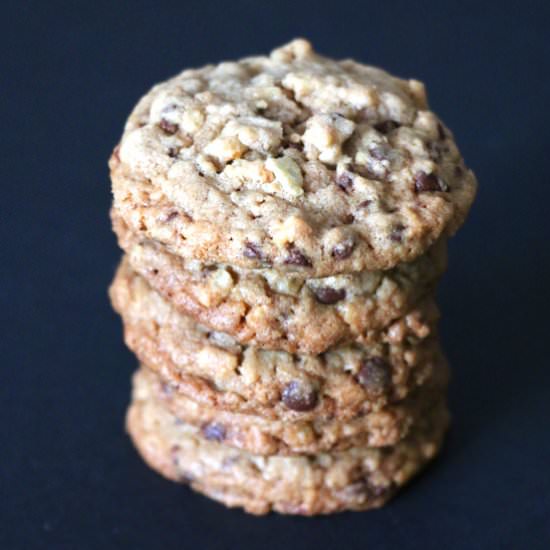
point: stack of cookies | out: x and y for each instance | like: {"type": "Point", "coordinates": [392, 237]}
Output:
{"type": "Point", "coordinates": [284, 223]}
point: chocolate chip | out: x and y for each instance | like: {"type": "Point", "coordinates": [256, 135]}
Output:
{"type": "Point", "coordinates": [344, 181]}
{"type": "Point", "coordinates": [375, 376]}
{"type": "Point", "coordinates": [343, 250]}
{"type": "Point", "coordinates": [348, 219]}
{"type": "Point", "coordinates": [328, 295]}
{"type": "Point", "coordinates": [295, 257]}
{"type": "Point", "coordinates": [169, 127]}
{"type": "Point", "coordinates": [426, 182]}
{"type": "Point", "coordinates": [396, 234]}
{"type": "Point", "coordinates": [299, 396]}
{"type": "Point", "coordinates": [173, 152]}
{"type": "Point", "coordinates": [386, 126]}
{"type": "Point", "coordinates": [169, 216]}
{"type": "Point", "coordinates": [364, 204]}
{"type": "Point", "coordinates": [252, 251]}
{"type": "Point", "coordinates": [213, 432]}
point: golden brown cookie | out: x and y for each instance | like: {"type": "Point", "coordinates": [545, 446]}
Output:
{"type": "Point", "coordinates": [213, 369]}
{"type": "Point", "coordinates": [288, 311]}
{"type": "Point", "coordinates": [356, 479]}
{"type": "Point", "coordinates": [262, 436]}
{"type": "Point", "coordinates": [294, 161]}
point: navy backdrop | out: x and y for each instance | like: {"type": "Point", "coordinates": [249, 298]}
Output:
{"type": "Point", "coordinates": [70, 73]}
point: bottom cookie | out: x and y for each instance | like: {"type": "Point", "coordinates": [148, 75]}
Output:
{"type": "Point", "coordinates": [356, 479]}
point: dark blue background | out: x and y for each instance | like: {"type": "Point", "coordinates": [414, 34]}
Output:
{"type": "Point", "coordinates": [70, 73]}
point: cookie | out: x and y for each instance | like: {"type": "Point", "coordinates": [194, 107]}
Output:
{"type": "Point", "coordinates": [261, 436]}
{"type": "Point", "coordinates": [277, 310]}
{"type": "Point", "coordinates": [213, 369]}
{"type": "Point", "coordinates": [355, 479]}
{"type": "Point", "coordinates": [294, 162]}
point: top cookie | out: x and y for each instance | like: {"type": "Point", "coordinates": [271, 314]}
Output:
{"type": "Point", "coordinates": [293, 161]}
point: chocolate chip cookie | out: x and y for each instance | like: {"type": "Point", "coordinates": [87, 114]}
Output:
{"type": "Point", "coordinates": [213, 369]}
{"type": "Point", "coordinates": [281, 310]}
{"type": "Point", "coordinates": [262, 436]}
{"type": "Point", "coordinates": [295, 162]}
{"type": "Point", "coordinates": [356, 479]}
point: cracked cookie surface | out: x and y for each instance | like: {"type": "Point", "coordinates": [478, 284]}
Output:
{"type": "Point", "coordinates": [212, 368]}
{"type": "Point", "coordinates": [292, 161]}
{"type": "Point", "coordinates": [356, 479]}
